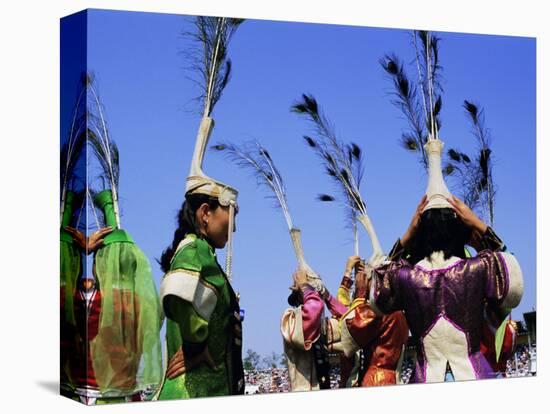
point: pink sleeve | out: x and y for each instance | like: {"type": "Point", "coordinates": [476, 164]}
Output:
{"type": "Point", "coordinates": [336, 308]}
{"type": "Point", "coordinates": [312, 310]}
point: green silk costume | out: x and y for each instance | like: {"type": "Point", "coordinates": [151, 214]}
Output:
{"type": "Point", "coordinates": [202, 311]}
{"type": "Point", "coordinates": [70, 260]}
{"type": "Point", "coordinates": [70, 270]}
{"type": "Point", "coordinates": [126, 353]}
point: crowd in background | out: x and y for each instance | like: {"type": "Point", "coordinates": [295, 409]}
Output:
{"type": "Point", "coordinates": [268, 380]}
{"type": "Point", "coordinates": [407, 369]}
{"type": "Point", "coordinates": [273, 380]}
{"type": "Point", "coordinates": [523, 364]}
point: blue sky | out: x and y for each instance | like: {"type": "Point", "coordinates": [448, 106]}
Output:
{"type": "Point", "coordinates": [143, 82]}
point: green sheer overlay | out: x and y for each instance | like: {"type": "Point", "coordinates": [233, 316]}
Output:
{"type": "Point", "coordinates": [70, 261]}
{"type": "Point", "coordinates": [499, 337]}
{"type": "Point", "coordinates": [70, 269]}
{"type": "Point", "coordinates": [126, 353]}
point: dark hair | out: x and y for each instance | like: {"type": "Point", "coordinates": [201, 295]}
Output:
{"type": "Point", "coordinates": [440, 229]}
{"type": "Point", "coordinates": [295, 298]}
{"type": "Point", "coordinates": [187, 223]}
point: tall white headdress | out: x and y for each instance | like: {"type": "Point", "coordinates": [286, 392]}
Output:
{"type": "Point", "coordinates": [426, 95]}
{"type": "Point", "coordinates": [214, 67]}
{"type": "Point", "coordinates": [437, 191]}
{"type": "Point", "coordinates": [199, 183]}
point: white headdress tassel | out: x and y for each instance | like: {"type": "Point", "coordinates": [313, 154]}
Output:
{"type": "Point", "coordinates": [229, 245]}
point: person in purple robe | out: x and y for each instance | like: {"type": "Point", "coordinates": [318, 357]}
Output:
{"type": "Point", "coordinates": [443, 293]}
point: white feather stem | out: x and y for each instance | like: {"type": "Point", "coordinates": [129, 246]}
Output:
{"type": "Point", "coordinates": [421, 80]}
{"type": "Point", "coordinates": [72, 134]}
{"type": "Point", "coordinates": [89, 195]}
{"type": "Point", "coordinates": [109, 160]}
{"type": "Point", "coordinates": [218, 36]}
{"type": "Point", "coordinates": [69, 154]}
{"type": "Point", "coordinates": [428, 66]}
{"type": "Point", "coordinates": [279, 195]}
{"type": "Point", "coordinates": [278, 188]}
{"type": "Point", "coordinates": [365, 221]}
{"type": "Point", "coordinates": [359, 202]}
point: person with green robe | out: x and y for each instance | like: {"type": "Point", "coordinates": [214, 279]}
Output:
{"type": "Point", "coordinates": [203, 323]}
{"type": "Point", "coordinates": [203, 317]}
{"type": "Point", "coordinates": [70, 271]}
{"type": "Point", "coordinates": [126, 352]}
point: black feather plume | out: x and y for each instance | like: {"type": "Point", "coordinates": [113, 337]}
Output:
{"type": "Point", "coordinates": [265, 153]}
{"type": "Point", "coordinates": [310, 141]}
{"type": "Point", "coordinates": [448, 169]}
{"type": "Point", "coordinates": [454, 155]}
{"type": "Point", "coordinates": [325, 197]}
{"type": "Point", "coordinates": [437, 106]}
{"type": "Point", "coordinates": [409, 142]}
{"type": "Point", "coordinates": [474, 174]}
{"type": "Point", "coordinates": [256, 159]}
{"type": "Point", "coordinates": [406, 100]}
{"type": "Point", "coordinates": [208, 56]}
{"type": "Point", "coordinates": [355, 151]}
{"type": "Point", "coordinates": [342, 162]}
{"type": "Point", "coordinates": [471, 109]}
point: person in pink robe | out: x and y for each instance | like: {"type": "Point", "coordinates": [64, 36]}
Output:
{"type": "Point", "coordinates": [301, 331]}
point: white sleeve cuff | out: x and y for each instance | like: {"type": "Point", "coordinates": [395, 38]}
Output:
{"type": "Point", "coordinates": [515, 281]}
{"type": "Point", "coordinates": [188, 286]}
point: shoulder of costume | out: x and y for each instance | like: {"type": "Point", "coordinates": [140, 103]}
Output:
{"type": "Point", "coordinates": [192, 254]}
{"type": "Point", "coordinates": [393, 264]}
{"type": "Point", "coordinates": [186, 256]}
{"type": "Point", "coordinates": [491, 241]}
{"type": "Point", "coordinates": [483, 253]}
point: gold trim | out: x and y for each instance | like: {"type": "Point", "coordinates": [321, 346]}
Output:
{"type": "Point", "coordinates": [191, 273]}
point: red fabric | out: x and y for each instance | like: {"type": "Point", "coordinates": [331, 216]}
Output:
{"type": "Point", "coordinates": [487, 346]}
{"type": "Point", "coordinates": [68, 334]}
{"type": "Point", "coordinates": [382, 339]}
{"type": "Point", "coordinates": [124, 356]}
{"type": "Point", "coordinates": [87, 323]}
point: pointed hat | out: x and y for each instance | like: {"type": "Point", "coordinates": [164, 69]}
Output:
{"type": "Point", "coordinates": [437, 191]}
{"type": "Point", "coordinates": [197, 181]}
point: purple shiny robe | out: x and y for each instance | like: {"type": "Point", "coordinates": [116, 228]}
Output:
{"type": "Point", "coordinates": [454, 295]}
